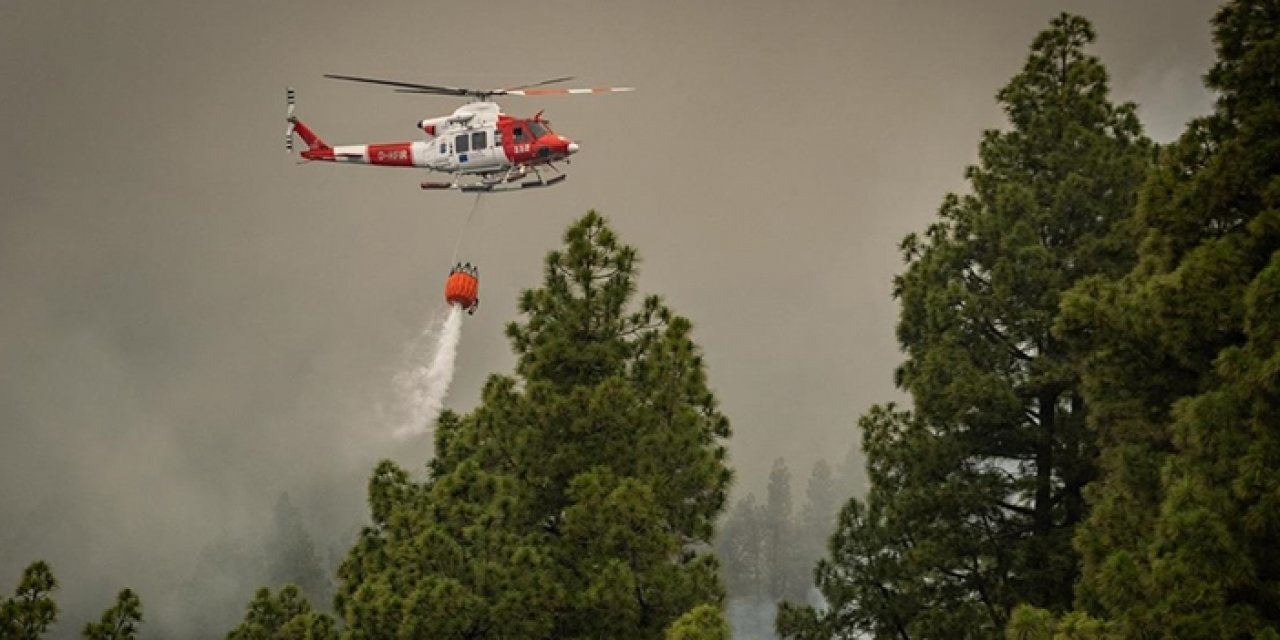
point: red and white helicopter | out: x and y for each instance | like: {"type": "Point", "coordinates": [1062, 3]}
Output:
{"type": "Point", "coordinates": [479, 146]}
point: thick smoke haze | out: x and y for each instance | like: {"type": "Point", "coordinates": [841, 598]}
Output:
{"type": "Point", "coordinates": [191, 324]}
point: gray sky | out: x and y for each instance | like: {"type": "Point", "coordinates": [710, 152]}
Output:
{"type": "Point", "coordinates": [190, 323]}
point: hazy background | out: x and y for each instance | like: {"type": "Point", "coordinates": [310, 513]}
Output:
{"type": "Point", "coordinates": [191, 324]}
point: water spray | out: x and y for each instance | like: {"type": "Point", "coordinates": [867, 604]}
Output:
{"type": "Point", "coordinates": [423, 386]}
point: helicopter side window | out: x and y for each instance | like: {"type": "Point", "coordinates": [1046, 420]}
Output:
{"type": "Point", "coordinates": [518, 134]}
{"type": "Point", "coordinates": [444, 147]}
{"type": "Point", "coordinates": [479, 140]}
{"type": "Point", "coordinates": [460, 144]}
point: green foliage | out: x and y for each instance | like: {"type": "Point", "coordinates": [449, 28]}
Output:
{"type": "Point", "coordinates": [285, 616]}
{"type": "Point", "coordinates": [703, 622]}
{"type": "Point", "coordinates": [578, 499]}
{"type": "Point", "coordinates": [120, 622]}
{"type": "Point", "coordinates": [1181, 540]}
{"type": "Point", "coordinates": [1029, 623]}
{"type": "Point", "coordinates": [31, 610]}
{"type": "Point", "coordinates": [975, 496]}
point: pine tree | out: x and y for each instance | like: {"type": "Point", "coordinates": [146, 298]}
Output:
{"type": "Point", "coordinates": [120, 622]}
{"type": "Point", "coordinates": [290, 554]}
{"type": "Point", "coordinates": [817, 519]}
{"type": "Point", "coordinates": [867, 579]}
{"type": "Point", "coordinates": [782, 571]}
{"type": "Point", "coordinates": [1182, 537]}
{"type": "Point", "coordinates": [285, 616]}
{"type": "Point", "coordinates": [578, 499]}
{"type": "Point", "coordinates": [31, 610]}
{"type": "Point", "coordinates": [988, 472]}
{"type": "Point", "coordinates": [740, 548]}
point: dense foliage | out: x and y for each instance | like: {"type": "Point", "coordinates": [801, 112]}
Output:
{"type": "Point", "coordinates": [1094, 450]}
{"type": "Point", "coordinates": [1182, 539]}
{"type": "Point", "coordinates": [284, 616]}
{"type": "Point", "coordinates": [976, 493]}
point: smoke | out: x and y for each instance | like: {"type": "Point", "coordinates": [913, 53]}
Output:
{"type": "Point", "coordinates": [421, 388]}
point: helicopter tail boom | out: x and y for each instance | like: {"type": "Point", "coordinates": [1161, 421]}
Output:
{"type": "Point", "coordinates": [317, 148]}
{"type": "Point", "coordinates": [314, 142]}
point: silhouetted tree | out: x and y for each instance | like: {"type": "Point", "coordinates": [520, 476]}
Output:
{"type": "Point", "coordinates": [816, 522]}
{"type": "Point", "coordinates": [783, 571]}
{"type": "Point", "coordinates": [740, 548]}
{"type": "Point", "coordinates": [31, 610]}
{"type": "Point", "coordinates": [291, 555]}
{"type": "Point", "coordinates": [119, 622]}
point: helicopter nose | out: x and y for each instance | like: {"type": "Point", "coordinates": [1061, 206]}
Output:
{"type": "Point", "coordinates": [572, 148]}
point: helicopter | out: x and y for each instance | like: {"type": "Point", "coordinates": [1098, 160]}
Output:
{"type": "Point", "coordinates": [479, 147]}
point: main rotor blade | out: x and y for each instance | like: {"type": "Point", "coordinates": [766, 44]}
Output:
{"type": "Point", "coordinates": [418, 88]}
{"type": "Point", "coordinates": [540, 84]}
{"type": "Point", "coordinates": [566, 92]}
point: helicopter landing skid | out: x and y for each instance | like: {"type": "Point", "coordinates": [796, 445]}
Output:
{"type": "Point", "coordinates": [494, 187]}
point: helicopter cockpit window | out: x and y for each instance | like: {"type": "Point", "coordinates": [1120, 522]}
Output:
{"type": "Point", "coordinates": [537, 130]}
{"type": "Point", "coordinates": [479, 140]}
{"type": "Point", "coordinates": [460, 144]}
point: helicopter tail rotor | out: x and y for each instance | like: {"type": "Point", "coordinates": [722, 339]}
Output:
{"type": "Point", "coordinates": [288, 132]}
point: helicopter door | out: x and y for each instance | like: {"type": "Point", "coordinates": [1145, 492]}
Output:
{"type": "Point", "coordinates": [474, 151]}
{"type": "Point", "coordinates": [462, 151]}
{"type": "Point", "coordinates": [484, 151]}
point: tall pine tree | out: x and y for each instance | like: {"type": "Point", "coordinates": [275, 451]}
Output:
{"type": "Point", "coordinates": [784, 577]}
{"type": "Point", "coordinates": [31, 610]}
{"type": "Point", "coordinates": [578, 499]}
{"type": "Point", "coordinates": [1181, 541]}
{"type": "Point", "coordinates": [817, 518]}
{"type": "Point", "coordinates": [987, 474]}
{"type": "Point", "coordinates": [290, 554]}
{"type": "Point", "coordinates": [120, 622]}
{"type": "Point", "coordinates": [740, 549]}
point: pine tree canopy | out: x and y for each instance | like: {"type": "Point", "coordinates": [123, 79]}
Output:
{"type": "Point", "coordinates": [976, 493]}
{"type": "Point", "coordinates": [120, 622]}
{"type": "Point", "coordinates": [31, 610]}
{"type": "Point", "coordinates": [1181, 541]}
{"type": "Point", "coordinates": [578, 499]}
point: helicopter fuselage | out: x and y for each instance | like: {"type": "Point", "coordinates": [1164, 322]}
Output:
{"type": "Point", "coordinates": [476, 139]}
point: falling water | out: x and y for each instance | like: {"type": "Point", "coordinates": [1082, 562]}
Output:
{"type": "Point", "coordinates": [422, 386]}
